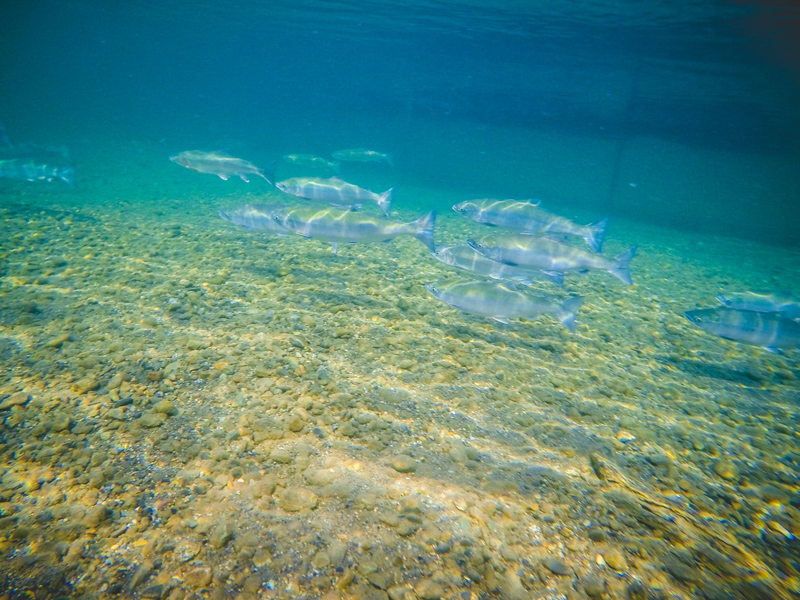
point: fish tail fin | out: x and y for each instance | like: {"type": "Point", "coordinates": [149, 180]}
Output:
{"type": "Point", "coordinates": [268, 172]}
{"type": "Point", "coordinates": [596, 234]}
{"type": "Point", "coordinates": [620, 270]}
{"type": "Point", "coordinates": [569, 310]}
{"type": "Point", "coordinates": [67, 174]}
{"type": "Point", "coordinates": [385, 200]}
{"type": "Point", "coordinates": [336, 166]}
{"type": "Point", "coordinates": [389, 159]}
{"type": "Point", "coordinates": [556, 277]}
{"type": "Point", "coordinates": [424, 230]}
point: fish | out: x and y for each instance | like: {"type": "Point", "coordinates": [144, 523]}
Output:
{"type": "Point", "coordinates": [766, 303]}
{"type": "Point", "coordinates": [501, 302]}
{"type": "Point", "coordinates": [464, 257]}
{"type": "Point", "coordinates": [527, 216]}
{"type": "Point", "coordinates": [768, 330]}
{"type": "Point", "coordinates": [363, 155]}
{"type": "Point", "coordinates": [343, 226]}
{"type": "Point", "coordinates": [30, 170]}
{"type": "Point", "coordinates": [334, 190]}
{"type": "Point", "coordinates": [548, 255]}
{"type": "Point", "coordinates": [219, 164]}
{"type": "Point", "coordinates": [312, 160]}
{"type": "Point", "coordinates": [256, 217]}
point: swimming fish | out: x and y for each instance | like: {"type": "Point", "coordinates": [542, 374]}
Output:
{"type": "Point", "coordinates": [312, 160]}
{"type": "Point", "coordinates": [548, 255]}
{"type": "Point", "coordinates": [468, 259]}
{"type": "Point", "coordinates": [749, 327]}
{"type": "Point", "coordinates": [363, 155]}
{"type": "Point", "coordinates": [219, 164]}
{"type": "Point", "coordinates": [31, 170]}
{"type": "Point", "coordinates": [527, 216]}
{"type": "Point", "coordinates": [766, 303]}
{"type": "Point", "coordinates": [257, 217]}
{"type": "Point", "coordinates": [336, 225]}
{"type": "Point", "coordinates": [502, 302]}
{"type": "Point", "coordinates": [334, 190]}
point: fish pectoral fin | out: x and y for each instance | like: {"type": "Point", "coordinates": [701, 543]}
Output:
{"type": "Point", "coordinates": [244, 177]}
{"type": "Point", "coordinates": [501, 320]}
{"type": "Point", "coordinates": [223, 177]}
{"type": "Point", "coordinates": [335, 247]}
{"type": "Point", "coordinates": [773, 350]}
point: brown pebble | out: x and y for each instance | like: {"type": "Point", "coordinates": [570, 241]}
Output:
{"type": "Point", "coordinates": [199, 577]}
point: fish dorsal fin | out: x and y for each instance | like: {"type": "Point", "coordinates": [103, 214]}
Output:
{"type": "Point", "coordinates": [533, 202]}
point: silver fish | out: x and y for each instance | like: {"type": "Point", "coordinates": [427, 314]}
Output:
{"type": "Point", "coordinates": [527, 216]}
{"type": "Point", "coordinates": [363, 155]}
{"type": "Point", "coordinates": [749, 327]}
{"type": "Point", "coordinates": [257, 217]}
{"type": "Point", "coordinates": [501, 302]}
{"type": "Point", "coordinates": [219, 164]}
{"type": "Point", "coordinates": [314, 161]}
{"type": "Point", "coordinates": [335, 225]}
{"type": "Point", "coordinates": [464, 257]}
{"type": "Point", "coordinates": [766, 303]}
{"type": "Point", "coordinates": [30, 170]}
{"type": "Point", "coordinates": [548, 255]}
{"type": "Point", "coordinates": [334, 190]}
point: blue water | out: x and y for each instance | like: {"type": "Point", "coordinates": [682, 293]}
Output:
{"type": "Point", "coordinates": [679, 113]}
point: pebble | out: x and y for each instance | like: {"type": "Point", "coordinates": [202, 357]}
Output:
{"type": "Point", "coordinates": [165, 407]}
{"type": "Point", "coordinates": [594, 586]}
{"type": "Point", "coordinates": [296, 499]}
{"type": "Point", "coordinates": [199, 577]}
{"type": "Point", "coordinates": [403, 463]}
{"type": "Point", "coordinates": [726, 469]}
{"type": "Point", "coordinates": [151, 419]}
{"type": "Point", "coordinates": [87, 384]}
{"type": "Point", "coordinates": [557, 566]}
{"type": "Point", "coordinates": [15, 400]}
{"type": "Point", "coordinates": [429, 589]}
{"type": "Point", "coordinates": [615, 559]}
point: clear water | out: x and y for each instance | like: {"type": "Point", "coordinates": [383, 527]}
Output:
{"type": "Point", "coordinates": [334, 431]}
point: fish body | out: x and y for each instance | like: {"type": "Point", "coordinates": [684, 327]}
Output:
{"type": "Point", "coordinates": [464, 257]}
{"type": "Point", "coordinates": [548, 255]}
{"type": "Point", "coordinates": [343, 226]}
{"type": "Point", "coordinates": [219, 164]}
{"type": "Point", "coordinates": [529, 217]}
{"type": "Point", "coordinates": [363, 155]}
{"type": "Point", "coordinates": [500, 302]}
{"type": "Point", "coordinates": [749, 327]}
{"type": "Point", "coordinates": [334, 191]}
{"type": "Point", "coordinates": [256, 217]}
{"type": "Point", "coordinates": [312, 160]}
{"type": "Point", "coordinates": [766, 303]}
{"type": "Point", "coordinates": [31, 170]}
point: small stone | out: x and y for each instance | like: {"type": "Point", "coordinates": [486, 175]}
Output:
{"type": "Point", "coordinates": [199, 577]}
{"type": "Point", "coordinates": [726, 469]}
{"type": "Point", "coordinates": [321, 560]}
{"type": "Point", "coordinates": [296, 424]}
{"type": "Point", "coordinates": [187, 549]}
{"type": "Point", "coordinates": [297, 499]}
{"type": "Point", "coordinates": [403, 463]}
{"type": "Point", "coordinates": [380, 579]}
{"type": "Point", "coordinates": [280, 455]}
{"type": "Point", "coordinates": [155, 376]}
{"type": "Point", "coordinates": [61, 422]}
{"type": "Point", "coordinates": [15, 400]}
{"type": "Point", "coordinates": [596, 534]}
{"type": "Point", "coordinates": [594, 586]}
{"type": "Point", "coordinates": [97, 514]}
{"type": "Point", "coordinates": [557, 566]}
{"type": "Point", "coordinates": [223, 533]}
{"type": "Point", "coordinates": [615, 559]}
{"type": "Point", "coordinates": [84, 385]}
{"type": "Point", "coordinates": [165, 407]}
{"type": "Point", "coordinates": [406, 528]}
{"type": "Point", "coordinates": [429, 589]}
{"type": "Point", "coordinates": [151, 419]}
{"type": "Point", "coordinates": [57, 341]}
{"type": "Point", "coordinates": [142, 573]}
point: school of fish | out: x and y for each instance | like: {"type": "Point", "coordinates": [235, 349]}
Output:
{"type": "Point", "coordinates": [528, 246]}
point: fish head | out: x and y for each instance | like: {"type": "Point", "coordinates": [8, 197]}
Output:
{"type": "Point", "coordinates": [180, 159]}
{"type": "Point", "coordinates": [482, 247]}
{"type": "Point", "coordinates": [434, 290]}
{"type": "Point", "coordinates": [724, 300]}
{"type": "Point", "coordinates": [444, 254]}
{"type": "Point", "coordinates": [466, 209]}
{"type": "Point", "coordinates": [703, 317]}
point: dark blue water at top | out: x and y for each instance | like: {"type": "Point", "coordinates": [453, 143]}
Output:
{"type": "Point", "coordinates": [445, 86]}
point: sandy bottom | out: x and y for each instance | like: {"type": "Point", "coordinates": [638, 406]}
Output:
{"type": "Point", "coordinates": [191, 410]}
